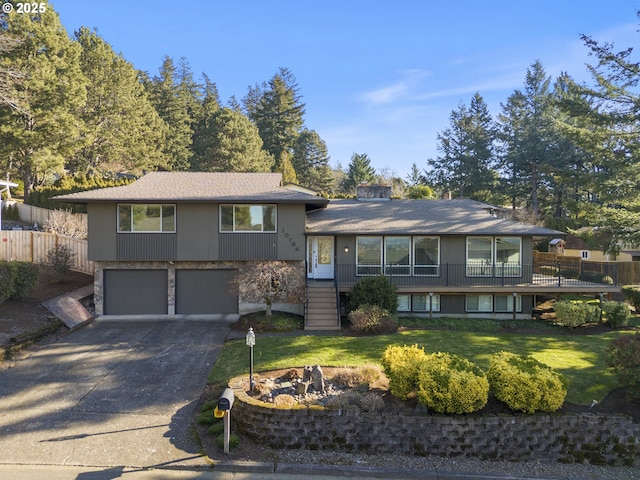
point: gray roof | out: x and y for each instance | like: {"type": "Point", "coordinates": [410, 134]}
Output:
{"type": "Point", "coordinates": [198, 187]}
{"type": "Point", "coordinates": [434, 217]}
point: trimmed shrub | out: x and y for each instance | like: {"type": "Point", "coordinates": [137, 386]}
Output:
{"type": "Point", "coordinates": [569, 314]}
{"type": "Point", "coordinates": [617, 314]}
{"type": "Point", "coordinates": [632, 295]}
{"type": "Point", "coordinates": [448, 383]}
{"type": "Point", "coordinates": [372, 319]}
{"type": "Point", "coordinates": [401, 365]}
{"type": "Point", "coordinates": [525, 384]}
{"type": "Point", "coordinates": [374, 291]}
{"type": "Point", "coordinates": [6, 282]}
{"type": "Point", "coordinates": [624, 358]}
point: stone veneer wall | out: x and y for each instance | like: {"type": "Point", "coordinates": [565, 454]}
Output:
{"type": "Point", "coordinates": [597, 439]}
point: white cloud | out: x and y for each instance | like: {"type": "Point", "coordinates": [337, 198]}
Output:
{"type": "Point", "coordinates": [396, 91]}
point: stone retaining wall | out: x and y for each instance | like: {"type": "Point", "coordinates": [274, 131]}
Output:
{"type": "Point", "coordinates": [596, 439]}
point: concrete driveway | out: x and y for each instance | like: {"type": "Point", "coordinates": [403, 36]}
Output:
{"type": "Point", "coordinates": [115, 393]}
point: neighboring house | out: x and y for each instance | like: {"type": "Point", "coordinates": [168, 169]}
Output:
{"type": "Point", "coordinates": [172, 242]}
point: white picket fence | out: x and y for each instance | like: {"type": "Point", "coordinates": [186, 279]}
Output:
{"type": "Point", "coordinates": [31, 246]}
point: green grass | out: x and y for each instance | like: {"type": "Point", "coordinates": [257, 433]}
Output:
{"type": "Point", "coordinates": [582, 358]}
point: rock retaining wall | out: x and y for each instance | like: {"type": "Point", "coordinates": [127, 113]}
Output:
{"type": "Point", "coordinates": [582, 438]}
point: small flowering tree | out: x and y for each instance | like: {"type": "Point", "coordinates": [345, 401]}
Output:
{"type": "Point", "coordinates": [271, 281]}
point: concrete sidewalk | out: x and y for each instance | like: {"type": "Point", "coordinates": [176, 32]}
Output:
{"type": "Point", "coordinates": [110, 394]}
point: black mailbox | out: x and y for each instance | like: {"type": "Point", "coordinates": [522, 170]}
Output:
{"type": "Point", "coordinates": [226, 399]}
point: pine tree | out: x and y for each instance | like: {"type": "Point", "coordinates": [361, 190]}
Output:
{"type": "Point", "coordinates": [233, 145]}
{"type": "Point", "coordinates": [277, 110]}
{"type": "Point", "coordinates": [311, 161]}
{"type": "Point", "coordinates": [359, 171]}
{"type": "Point", "coordinates": [466, 152]}
{"type": "Point", "coordinates": [122, 131]}
{"type": "Point", "coordinates": [169, 101]}
{"type": "Point", "coordinates": [39, 119]}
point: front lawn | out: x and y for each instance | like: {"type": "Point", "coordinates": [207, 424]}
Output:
{"type": "Point", "coordinates": [582, 358]}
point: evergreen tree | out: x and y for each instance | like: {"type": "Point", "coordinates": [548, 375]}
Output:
{"type": "Point", "coordinates": [169, 100]}
{"type": "Point", "coordinates": [122, 131]}
{"type": "Point", "coordinates": [606, 127]}
{"type": "Point", "coordinates": [277, 111]}
{"type": "Point", "coordinates": [359, 171]}
{"type": "Point", "coordinates": [233, 145]}
{"type": "Point", "coordinates": [466, 147]}
{"type": "Point", "coordinates": [39, 119]}
{"type": "Point", "coordinates": [311, 161]}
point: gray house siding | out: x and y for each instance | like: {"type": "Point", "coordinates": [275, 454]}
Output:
{"type": "Point", "coordinates": [197, 231]}
{"type": "Point", "coordinates": [197, 237]}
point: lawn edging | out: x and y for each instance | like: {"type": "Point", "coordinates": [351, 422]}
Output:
{"type": "Point", "coordinates": [570, 438]}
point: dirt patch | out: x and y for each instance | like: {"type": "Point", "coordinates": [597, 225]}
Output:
{"type": "Point", "coordinates": [17, 317]}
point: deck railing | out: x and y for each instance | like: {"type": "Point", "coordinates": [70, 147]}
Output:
{"type": "Point", "coordinates": [476, 274]}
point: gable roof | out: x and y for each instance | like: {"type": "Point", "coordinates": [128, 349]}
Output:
{"type": "Point", "coordinates": [168, 187]}
{"type": "Point", "coordinates": [406, 217]}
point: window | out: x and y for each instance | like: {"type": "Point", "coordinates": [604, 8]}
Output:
{"type": "Point", "coordinates": [504, 303]}
{"type": "Point", "coordinates": [368, 255]}
{"type": "Point", "coordinates": [141, 218]}
{"type": "Point", "coordinates": [508, 254]}
{"type": "Point", "coordinates": [479, 256]}
{"type": "Point", "coordinates": [397, 254]}
{"type": "Point", "coordinates": [248, 218]}
{"type": "Point", "coordinates": [479, 303]}
{"type": "Point", "coordinates": [421, 303]}
{"type": "Point", "coordinates": [404, 303]}
{"type": "Point", "coordinates": [426, 255]}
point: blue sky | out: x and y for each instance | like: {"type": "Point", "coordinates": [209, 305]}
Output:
{"type": "Point", "coordinates": [377, 77]}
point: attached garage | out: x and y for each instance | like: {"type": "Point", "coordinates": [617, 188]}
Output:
{"type": "Point", "coordinates": [205, 291]}
{"type": "Point", "coordinates": [135, 292]}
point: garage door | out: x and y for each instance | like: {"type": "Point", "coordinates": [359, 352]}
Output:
{"type": "Point", "coordinates": [205, 291]}
{"type": "Point", "coordinates": [135, 292]}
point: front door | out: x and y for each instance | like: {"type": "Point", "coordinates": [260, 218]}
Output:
{"type": "Point", "coordinates": [320, 257]}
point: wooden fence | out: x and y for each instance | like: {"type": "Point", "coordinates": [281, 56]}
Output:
{"type": "Point", "coordinates": [628, 273]}
{"type": "Point", "coordinates": [31, 246]}
{"type": "Point", "coordinates": [31, 214]}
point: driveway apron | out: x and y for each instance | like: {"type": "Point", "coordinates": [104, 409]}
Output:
{"type": "Point", "coordinates": [115, 393]}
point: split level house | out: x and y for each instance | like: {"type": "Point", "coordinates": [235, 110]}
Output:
{"type": "Point", "coordinates": [172, 243]}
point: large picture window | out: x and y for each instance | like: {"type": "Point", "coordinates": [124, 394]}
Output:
{"type": "Point", "coordinates": [397, 254]}
{"type": "Point", "coordinates": [369, 255]}
{"type": "Point", "coordinates": [248, 218]}
{"type": "Point", "coordinates": [146, 218]}
{"type": "Point", "coordinates": [494, 256]}
{"type": "Point", "coordinates": [479, 256]}
{"type": "Point", "coordinates": [426, 255]}
{"type": "Point", "coordinates": [508, 256]}
{"type": "Point", "coordinates": [421, 303]}
{"type": "Point", "coordinates": [504, 303]}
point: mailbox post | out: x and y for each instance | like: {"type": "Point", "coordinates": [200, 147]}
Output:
{"type": "Point", "coordinates": [225, 403]}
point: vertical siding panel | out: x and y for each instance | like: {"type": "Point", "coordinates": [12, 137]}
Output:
{"type": "Point", "coordinates": [249, 246]}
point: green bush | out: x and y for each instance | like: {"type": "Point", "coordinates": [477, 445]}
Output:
{"type": "Point", "coordinates": [632, 295]}
{"type": "Point", "coordinates": [525, 384]}
{"type": "Point", "coordinates": [624, 358]}
{"type": "Point", "coordinates": [374, 291]}
{"type": "Point", "coordinates": [372, 319]}
{"type": "Point", "coordinates": [25, 278]}
{"type": "Point", "coordinates": [17, 279]}
{"type": "Point", "coordinates": [448, 383]}
{"type": "Point", "coordinates": [234, 440]}
{"type": "Point", "coordinates": [617, 313]}
{"type": "Point", "coordinates": [401, 365]}
{"type": "Point", "coordinates": [569, 314]}
{"type": "Point", "coordinates": [60, 260]}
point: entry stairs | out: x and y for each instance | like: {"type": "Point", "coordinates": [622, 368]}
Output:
{"type": "Point", "coordinates": [322, 308]}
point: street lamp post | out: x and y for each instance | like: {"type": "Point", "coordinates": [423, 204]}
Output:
{"type": "Point", "coordinates": [251, 341]}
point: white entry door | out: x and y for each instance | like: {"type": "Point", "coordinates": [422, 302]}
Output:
{"type": "Point", "coordinates": [320, 257]}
